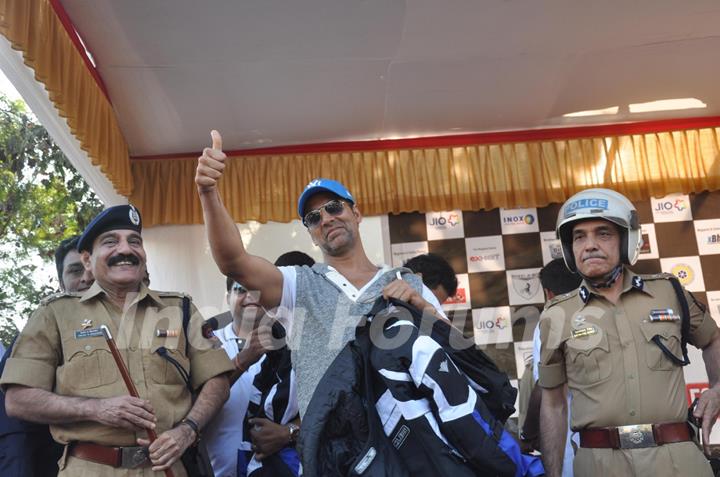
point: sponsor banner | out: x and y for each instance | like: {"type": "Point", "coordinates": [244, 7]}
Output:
{"type": "Point", "coordinates": [671, 208]}
{"type": "Point", "coordinates": [687, 269]}
{"type": "Point", "coordinates": [707, 234]}
{"type": "Point", "coordinates": [713, 304]}
{"type": "Point", "coordinates": [649, 247]}
{"type": "Point", "coordinates": [492, 325]}
{"type": "Point", "coordinates": [461, 300]}
{"type": "Point", "coordinates": [485, 254]}
{"type": "Point", "coordinates": [519, 221]}
{"type": "Point", "coordinates": [524, 286]}
{"type": "Point", "coordinates": [551, 248]}
{"type": "Point", "coordinates": [444, 225]}
{"type": "Point", "coordinates": [523, 355]}
{"type": "Point", "coordinates": [402, 252]}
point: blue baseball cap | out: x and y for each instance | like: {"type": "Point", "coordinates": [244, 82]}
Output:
{"type": "Point", "coordinates": [323, 185]}
{"type": "Point", "coordinates": [120, 217]}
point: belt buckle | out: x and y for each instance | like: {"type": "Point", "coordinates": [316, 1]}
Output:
{"type": "Point", "coordinates": [133, 457]}
{"type": "Point", "coordinates": [636, 436]}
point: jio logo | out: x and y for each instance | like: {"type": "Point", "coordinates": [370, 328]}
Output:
{"type": "Point", "coordinates": [452, 220]}
{"type": "Point", "coordinates": [669, 205]}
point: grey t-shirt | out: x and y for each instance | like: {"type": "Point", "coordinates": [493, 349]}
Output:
{"type": "Point", "coordinates": [322, 309]}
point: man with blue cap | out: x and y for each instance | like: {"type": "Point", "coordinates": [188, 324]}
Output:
{"type": "Point", "coordinates": [328, 299]}
{"type": "Point", "coordinates": [62, 371]}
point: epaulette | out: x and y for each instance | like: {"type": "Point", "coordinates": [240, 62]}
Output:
{"type": "Point", "coordinates": [658, 276]}
{"type": "Point", "coordinates": [560, 298]}
{"type": "Point", "coordinates": [56, 296]}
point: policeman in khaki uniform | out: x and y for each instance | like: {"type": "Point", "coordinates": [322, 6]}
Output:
{"type": "Point", "coordinates": [606, 340]}
{"type": "Point", "coordinates": [62, 372]}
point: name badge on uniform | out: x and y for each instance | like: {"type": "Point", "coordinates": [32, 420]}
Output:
{"type": "Point", "coordinates": [91, 333]}
{"type": "Point", "coordinates": [663, 315]}
{"type": "Point", "coordinates": [584, 332]}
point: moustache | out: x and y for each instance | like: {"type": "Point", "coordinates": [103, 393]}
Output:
{"type": "Point", "coordinates": [115, 259]}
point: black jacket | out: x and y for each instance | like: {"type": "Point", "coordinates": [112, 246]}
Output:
{"type": "Point", "coordinates": [402, 410]}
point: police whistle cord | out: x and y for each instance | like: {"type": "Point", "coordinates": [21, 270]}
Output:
{"type": "Point", "coordinates": [152, 436]}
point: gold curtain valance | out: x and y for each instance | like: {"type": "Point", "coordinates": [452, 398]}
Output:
{"type": "Point", "coordinates": [32, 27]}
{"type": "Point", "coordinates": [531, 174]}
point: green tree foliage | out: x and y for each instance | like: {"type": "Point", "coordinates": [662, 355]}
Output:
{"type": "Point", "coordinates": [43, 200]}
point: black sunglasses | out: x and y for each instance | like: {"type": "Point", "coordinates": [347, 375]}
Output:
{"type": "Point", "coordinates": [333, 208]}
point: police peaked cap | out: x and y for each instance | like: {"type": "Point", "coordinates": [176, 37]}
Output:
{"type": "Point", "coordinates": [120, 217]}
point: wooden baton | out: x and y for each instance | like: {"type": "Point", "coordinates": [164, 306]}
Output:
{"type": "Point", "coordinates": [152, 435]}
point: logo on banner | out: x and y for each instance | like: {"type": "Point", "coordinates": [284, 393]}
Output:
{"type": "Point", "coordinates": [707, 233]}
{"type": "Point", "coordinates": [684, 273]}
{"type": "Point", "coordinates": [555, 250]}
{"type": "Point", "coordinates": [481, 258]}
{"type": "Point", "coordinates": [527, 219]}
{"type": "Point", "coordinates": [442, 222]}
{"type": "Point", "coordinates": [499, 323]}
{"type": "Point", "coordinates": [526, 285]}
{"type": "Point", "coordinates": [671, 208]}
{"type": "Point", "coordinates": [671, 205]}
{"type": "Point", "coordinates": [460, 298]}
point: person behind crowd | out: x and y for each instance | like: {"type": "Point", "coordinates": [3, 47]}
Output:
{"type": "Point", "coordinates": [62, 372]}
{"type": "Point", "coordinates": [28, 448]}
{"type": "Point", "coordinates": [332, 297]}
{"type": "Point", "coordinates": [618, 342]}
{"type": "Point", "coordinates": [72, 275]}
{"type": "Point", "coordinates": [436, 274]}
{"type": "Point", "coordinates": [228, 447]}
{"type": "Point", "coordinates": [556, 280]}
{"type": "Point", "coordinates": [276, 425]}
{"type": "Point", "coordinates": [294, 258]}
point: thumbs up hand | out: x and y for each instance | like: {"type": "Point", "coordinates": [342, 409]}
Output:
{"type": "Point", "coordinates": [210, 165]}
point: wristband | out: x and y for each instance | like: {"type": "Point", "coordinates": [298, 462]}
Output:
{"type": "Point", "coordinates": [194, 426]}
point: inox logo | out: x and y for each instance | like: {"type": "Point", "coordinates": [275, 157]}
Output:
{"type": "Point", "coordinates": [528, 219]}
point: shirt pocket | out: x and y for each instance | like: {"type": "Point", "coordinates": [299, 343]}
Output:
{"type": "Point", "coordinates": [88, 364]}
{"type": "Point", "coordinates": [162, 371]}
{"type": "Point", "coordinates": [670, 336]}
{"type": "Point", "coordinates": [589, 360]}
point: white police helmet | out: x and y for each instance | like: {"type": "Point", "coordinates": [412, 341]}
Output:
{"type": "Point", "coordinates": [600, 204]}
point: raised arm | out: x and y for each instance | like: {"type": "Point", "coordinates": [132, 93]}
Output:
{"type": "Point", "coordinates": [226, 245]}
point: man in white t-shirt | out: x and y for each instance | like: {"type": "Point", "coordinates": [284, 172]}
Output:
{"type": "Point", "coordinates": [228, 447]}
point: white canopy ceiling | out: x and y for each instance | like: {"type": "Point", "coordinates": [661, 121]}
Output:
{"type": "Point", "coordinates": [281, 72]}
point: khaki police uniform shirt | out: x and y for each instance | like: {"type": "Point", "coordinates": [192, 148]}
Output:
{"type": "Point", "coordinates": [616, 374]}
{"type": "Point", "coordinates": [50, 354]}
